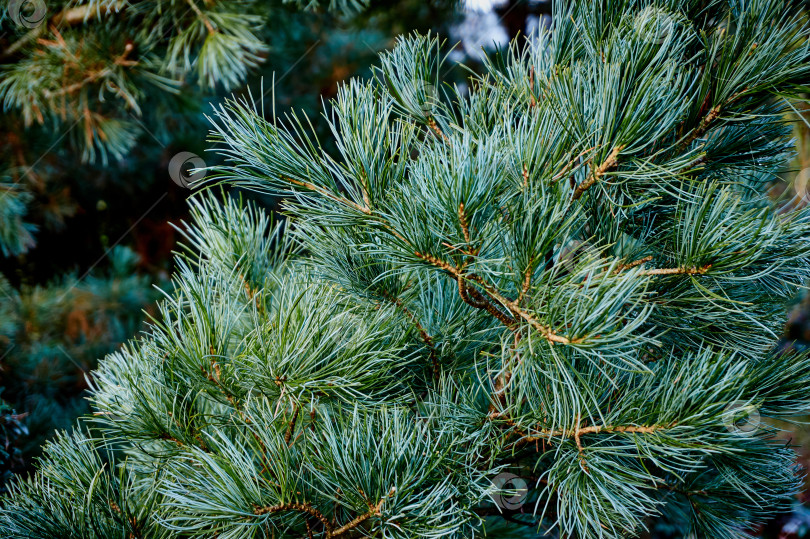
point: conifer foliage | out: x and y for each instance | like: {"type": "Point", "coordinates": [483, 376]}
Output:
{"type": "Point", "coordinates": [93, 76]}
{"type": "Point", "coordinates": [549, 298]}
{"type": "Point", "coordinates": [93, 62]}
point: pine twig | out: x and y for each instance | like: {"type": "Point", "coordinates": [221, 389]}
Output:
{"type": "Point", "coordinates": [291, 426]}
{"type": "Point", "coordinates": [375, 510]}
{"type": "Point", "coordinates": [68, 17]}
{"type": "Point", "coordinates": [436, 129]}
{"type": "Point", "coordinates": [426, 338]}
{"type": "Point", "coordinates": [702, 127]}
{"type": "Point", "coordinates": [608, 164]}
{"type": "Point", "coordinates": [296, 507]}
{"type": "Point", "coordinates": [511, 306]}
{"type": "Point", "coordinates": [678, 271]}
{"type": "Point", "coordinates": [92, 77]}
{"type": "Point", "coordinates": [633, 264]}
{"type": "Point", "coordinates": [206, 21]}
{"type": "Point", "coordinates": [327, 194]}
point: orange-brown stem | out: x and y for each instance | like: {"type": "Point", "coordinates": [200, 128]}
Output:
{"type": "Point", "coordinates": [678, 271]}
{"type": "Point", "coordinates": [608, 164]}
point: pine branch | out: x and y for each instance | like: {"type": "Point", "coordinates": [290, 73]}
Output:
{"type": "Point", "coordinates": [201, 15]}
{"type": "Point", "coordinates": [577, 433]}
{"type": "Point", "coordinates": [291, 426]}
{"type": "Point", "coordinates": [373, 511]}
{"type": "Point", "coordinates": [68, 17]}
{"type": "Point", "coordinates": [92, 77]}
{"type": "Point", "coordinates": [678, 271]}
{"type": "Point", "coordinates": [701, 129]}
{"type": "Point", "coordinates": [633, 264]}
{"type": "Point", "coordinates": [434, 127]}
{"type": "Point", "coordinates": [425, 336]}
{"type": "Point", "coordinates": [478, 301]}
{"type": "Point", "coordinates": [606, 166]}
{"type": "Point", "coordinates": [327, 194]}
{"type": "Point", "coordinates": [295, 507]}
{"type": "Point", "coordinates": [638, 403]}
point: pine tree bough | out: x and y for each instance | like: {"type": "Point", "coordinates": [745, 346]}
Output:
{"type": "Point", "coordinates": [102, 61]}
{"type": "Point", "coordinates": [69, 17]}
{"type": "Point", "coordinates": [96, 76]}
{"type": "Point", "coordinates": [442, 317]}
{"type": "Point", "coordinates": [609, 163]}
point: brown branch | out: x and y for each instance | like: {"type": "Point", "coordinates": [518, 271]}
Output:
{"type": "Point", "coordinates": [469, 295]}
{"type": "Point", "coordinates": [519, 312]}
{"type": "Point", "coordinates": [297, 507]}
{"type": "Point", "coordinates": [307, 509]}
{"type": "Point", "coordinates": [477, 299]}
{"type": "Point", "coordinates": [120, 60]}
{"type": "Point", "coordinates": [678, 271]}
{"type": "Point", "coordinates": [577, 432]}
{"type": "Point", "coordinates": [580, 449]}
{"type": "Point", "coordinates": [472, 294]}
{"type": "Point", "coordinates": [661, 271]}
{"type": "Point", "coordinates": [463, 292]}
{"type": "Point", "coordinates": [375, 510]}
{"type": "Point", "coordinates": [354, 523]}
{"type": "Point", "coordinates": [202, 16]}
{"type": "Point", "coordinates": [465, 226]}
{"type": "Point", "coordinates": [568, 166]}
{"type": "Point", "coordinates": [436, 129]}
{"type": "Point", "coordinates": [291, 426]}
{"type": "Point", "coordinates": [366, 189]}
{"type": "Point", "coordinates": [548, 434]}
{"type": "Point", "coordinates": [702, 127]}
{"type": "Point", "coordinates": [633, 264]}
{"type": "Point", "coordinates": [438, 263]}
{"type": "Point", "coordinates": [67, 17]}
{"type": "Point", "coordinates": [527, 282]}
{"type": "Point", "coordinates": [511, 306]}
{"type": "Point", "coordinates": [710, 117]}
{"type": "Point", "coordinates": [600, 171]}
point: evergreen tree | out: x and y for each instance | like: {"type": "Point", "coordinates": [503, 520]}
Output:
{"type": "Point", "coordinates": [548, 300]}
{"type": "Point", "coordinates": [64, 182]}
{"type": "Point", "coordinates": [101, 72]}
